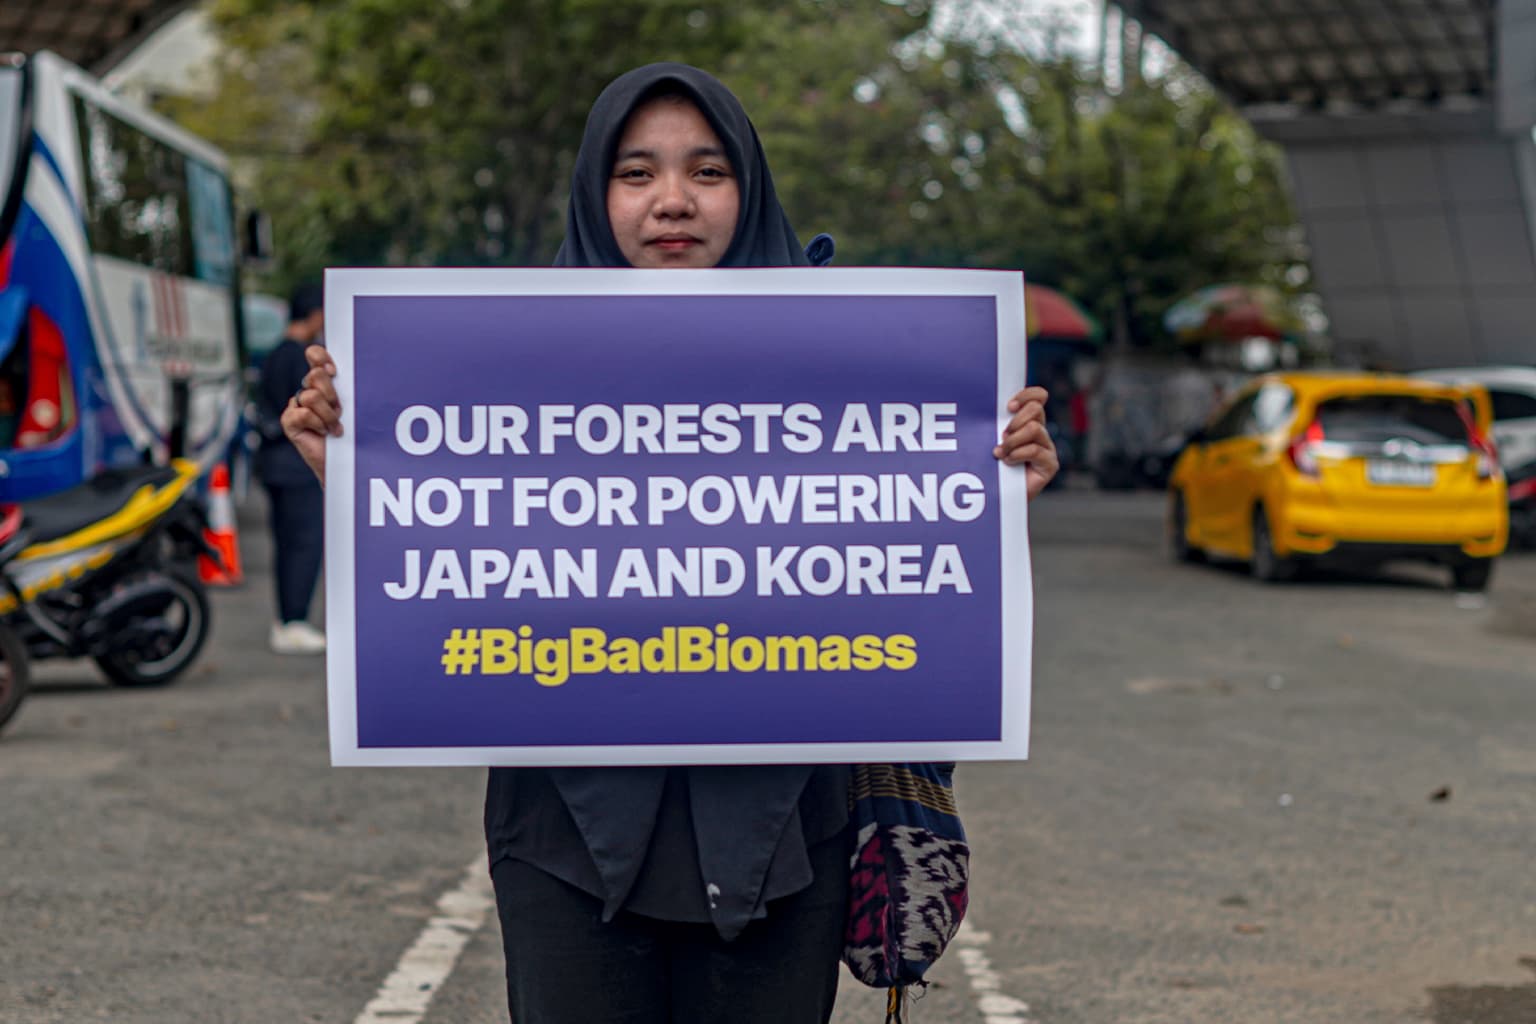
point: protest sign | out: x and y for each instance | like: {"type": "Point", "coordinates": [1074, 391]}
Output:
{"type": "Point", "coordinates": [675, 517]}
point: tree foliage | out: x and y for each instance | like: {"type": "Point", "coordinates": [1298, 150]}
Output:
{"type": "Point", "coordinates": [1140, 198]}
{"type": "Point", "coordinates": [442, 132]}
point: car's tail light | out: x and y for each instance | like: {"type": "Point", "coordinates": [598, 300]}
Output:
{"type": "Point", "coordinates": [1302, 453]}
{"type": "Point", "coordinates": [1523, 489]}
{"type": "Point", "coordinates": [1482, 445]}
{"type": "Point", "coordinates": [1487, 457]}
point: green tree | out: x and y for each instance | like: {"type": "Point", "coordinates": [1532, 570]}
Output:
{"type": "Point", "coordinates": [920, 150]}
{"type": "Point", "coordinates": [849, 105]}
{"type": "Point", "coordinates": [1145, 196]}
{"type": "Point", "coordinates": [424, 132]}
{"type": "Point", "coordinates": [442, 132]}
{"type": "Point", "coordinates": [1127, 201]}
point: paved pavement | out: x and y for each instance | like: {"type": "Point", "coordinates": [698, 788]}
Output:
{"type": "Point", "coordinates": [1306, 803]}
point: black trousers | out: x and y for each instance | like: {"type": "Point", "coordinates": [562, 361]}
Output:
{"type": "Point", "coordinates": [565, 966]}
{"type": "Point", "coordinates": [298, 545]}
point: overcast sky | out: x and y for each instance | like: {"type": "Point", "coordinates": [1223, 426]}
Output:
{"type": "Point", "coordinates": [1028, 24]}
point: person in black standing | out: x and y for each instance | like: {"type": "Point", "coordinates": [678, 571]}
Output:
{"type": "Point", "coordinates": [686, 894]}
{"type": "Point", "coordinates": [297, 500]}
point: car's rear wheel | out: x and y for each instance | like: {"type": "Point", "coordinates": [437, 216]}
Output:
{"type": "Point", "coordinates": [1178, 531]}
{"type": "Point", "coordinates": [1266, 564]}
{"type": "Point", "coordinates": [1472, 574]}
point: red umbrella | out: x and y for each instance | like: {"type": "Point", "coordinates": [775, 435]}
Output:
{"type": "Point", "coordinates": [1050, 314]}
{"type": "Point", "coordinates": [1231, 312]}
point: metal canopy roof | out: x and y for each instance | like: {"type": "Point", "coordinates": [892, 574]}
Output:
{"type": "Point", "coordinates": [92, 33]}
{"type": "Point", "coordinates": [1321, 54]}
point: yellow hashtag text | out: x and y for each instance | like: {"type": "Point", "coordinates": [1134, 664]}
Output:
{"type": "Point", "coordinates": [553, 660]}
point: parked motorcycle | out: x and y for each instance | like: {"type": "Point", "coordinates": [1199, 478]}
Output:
{"type": "Point", "coordinates": [15, 670]}
{"type": "Point", "coordinates": [108, 571]}
{"type": "Point", "coordinates": [1522, 505]}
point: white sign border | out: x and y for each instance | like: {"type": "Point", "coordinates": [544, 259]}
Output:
{"type": "Point", "coordinates": [343, 286]}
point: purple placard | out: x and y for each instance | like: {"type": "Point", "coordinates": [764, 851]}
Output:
{"type": "Point", "coordinates": [476, 614]}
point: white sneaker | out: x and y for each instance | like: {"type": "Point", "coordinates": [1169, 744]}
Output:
{"type": "Point", "coordinates": [297, 638]}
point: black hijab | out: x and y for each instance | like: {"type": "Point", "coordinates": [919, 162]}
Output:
{"type": "Point", "coordinates": [763, 236]}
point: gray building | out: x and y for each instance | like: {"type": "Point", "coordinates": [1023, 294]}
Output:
{"type": "Point", "coordinates": [1408, 129]}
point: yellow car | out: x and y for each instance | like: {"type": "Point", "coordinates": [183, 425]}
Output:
{"type": "Point", "coordinates": [1361, 467]}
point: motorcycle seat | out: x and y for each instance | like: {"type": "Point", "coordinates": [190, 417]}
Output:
{"type": "Point", "coordinates": [59, 515]}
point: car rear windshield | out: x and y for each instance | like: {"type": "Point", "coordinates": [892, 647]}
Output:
{"type": "Point", "coordinates": [1512, 405]}
{"type": "Point", "coordinates": [1381, 418]}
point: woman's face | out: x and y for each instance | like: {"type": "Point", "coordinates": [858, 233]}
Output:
{"type": "Point", "coordinates": [672, 198]}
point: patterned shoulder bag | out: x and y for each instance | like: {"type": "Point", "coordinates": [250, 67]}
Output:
{"type": "Point", "coordinates": [910, 869]}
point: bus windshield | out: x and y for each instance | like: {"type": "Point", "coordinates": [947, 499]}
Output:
{"type": "Point", "coordinates": [10, 135]}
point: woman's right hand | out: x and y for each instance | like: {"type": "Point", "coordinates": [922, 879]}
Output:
{"type": "Point", "coordinates": [315, 412]}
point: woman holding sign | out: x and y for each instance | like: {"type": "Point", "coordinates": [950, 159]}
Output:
{"type": "Point", "coordinates": [671, 894]}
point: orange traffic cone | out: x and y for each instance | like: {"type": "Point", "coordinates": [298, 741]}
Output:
{"type": "Point", "coordinates": [220, 535]}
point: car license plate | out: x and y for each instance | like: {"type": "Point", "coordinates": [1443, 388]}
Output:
{"type": "Point", "coordinates": [1400, 474]}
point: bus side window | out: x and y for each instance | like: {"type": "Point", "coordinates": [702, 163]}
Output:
{"type": "Point", "coordinates": [135, 193]}
{"type": "Point", "coordinates": [213, 231]}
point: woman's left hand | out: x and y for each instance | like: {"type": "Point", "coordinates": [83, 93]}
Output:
{"type": "Point", "coordinates": [1026, 442]}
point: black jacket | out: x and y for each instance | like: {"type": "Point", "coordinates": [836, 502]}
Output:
{"type": "Point", "coordinates": [278, 463]}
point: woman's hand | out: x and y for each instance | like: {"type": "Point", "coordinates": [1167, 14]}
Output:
{"type": "Point", "coordinates": [315, 412]}
{"type": "Point", "coordinates": [1026, 442]}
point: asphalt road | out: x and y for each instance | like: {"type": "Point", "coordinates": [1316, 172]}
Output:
{"type": "Point", "coordinates": [1306, 803]}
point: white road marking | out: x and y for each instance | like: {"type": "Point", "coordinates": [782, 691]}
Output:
{"type": "Point", "coordinates": [408, 991]}
{"type": "Point", "coordinates": [997, 1007]}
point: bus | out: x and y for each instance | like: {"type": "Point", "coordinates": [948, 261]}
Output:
{"type": "Point", "coordinates": [121, 332]}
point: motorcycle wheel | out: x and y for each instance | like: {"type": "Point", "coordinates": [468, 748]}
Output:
{"type": "Point", "coordinates": [158, 647]}
{"type": "Point", "coordinates": [15, 673]}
